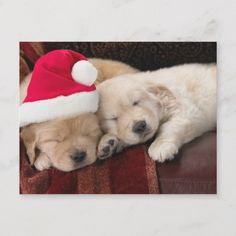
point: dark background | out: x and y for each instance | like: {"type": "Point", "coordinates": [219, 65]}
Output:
{"type": "Point", "coordinates": [144, 55]}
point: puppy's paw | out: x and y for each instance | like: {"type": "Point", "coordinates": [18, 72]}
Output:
{"type": "Point", "coordinates": [42, 162]}
{"type": "Point", "coordinates": [161, 151]}
{"type": "Point", "coordinates": [108, 145]}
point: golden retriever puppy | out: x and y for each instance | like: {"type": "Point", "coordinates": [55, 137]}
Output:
{"type": "Point", "coordinates": [67, 144]}
{"type": "Point", "coordinates": [64, 144]}
{"type": "Point", "coordinates": [174, 104]}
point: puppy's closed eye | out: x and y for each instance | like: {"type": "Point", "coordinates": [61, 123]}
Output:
{"type": "Point", "coordinates": [135, 97]}
{"type": "Point", "coordinates": [112, 118]}
{"type": "Point", "coordinates": [56, 140]}
{"type": "Point", "coordinates": [135, 103]}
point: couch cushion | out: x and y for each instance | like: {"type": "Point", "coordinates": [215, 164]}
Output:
{"type": "Point", "coordinates": [193, 170]}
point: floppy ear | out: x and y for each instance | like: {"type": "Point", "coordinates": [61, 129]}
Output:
{"type": "Point", "coordinates": [163, 94]}
{"type": "Point", "coordinates": [29, 139]}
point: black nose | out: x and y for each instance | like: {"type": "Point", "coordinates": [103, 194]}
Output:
{"type": "Point", "coordinates": [139, 126]}
{"type": "Point", "coordinates": [78, 156]}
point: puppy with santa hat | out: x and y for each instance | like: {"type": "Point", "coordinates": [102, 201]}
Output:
{"type": "Point", "coordinates": [59, 127]}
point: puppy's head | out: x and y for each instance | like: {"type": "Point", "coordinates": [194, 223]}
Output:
{"type": "Point", "coordinates": [64, 144]}
{"type": "Point", "coordinates": [129, 108]}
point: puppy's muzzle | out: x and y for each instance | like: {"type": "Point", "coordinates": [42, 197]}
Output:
{"type": "Point", "coordinates": [78, 156]}
{"type": "Point", "coordinates": [139, 127]}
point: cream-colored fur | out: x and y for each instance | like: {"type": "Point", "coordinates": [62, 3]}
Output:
{"type": "Point", "coordinates": [53, 143]}
{"type": "Point", "coordinates": [178, 104]}
{"type": "Point", "coordinates": [108, 69]}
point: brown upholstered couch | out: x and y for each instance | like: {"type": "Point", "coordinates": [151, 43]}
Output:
{"type": "Point", "coordinates": [194, 169]}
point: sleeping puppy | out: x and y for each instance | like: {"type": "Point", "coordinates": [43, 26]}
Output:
{"type": "Point", "coordinates": [174, 104]}
{"type": "Point", "coordinates": [64, 144]}
{"type": "Point", "coordinates": [67, 144]}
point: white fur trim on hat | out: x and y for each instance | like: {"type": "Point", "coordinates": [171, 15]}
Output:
{"type": "Point", "coordinates": [84, 72]}
{"type": "Point", "coordinates": [59, 107]}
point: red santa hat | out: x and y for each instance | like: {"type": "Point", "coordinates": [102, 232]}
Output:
{"type": "Point", "coordinates": [62, 86]}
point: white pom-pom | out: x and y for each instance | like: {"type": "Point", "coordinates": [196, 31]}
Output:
{"type": "Point", "coordinates": [84, 72]}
